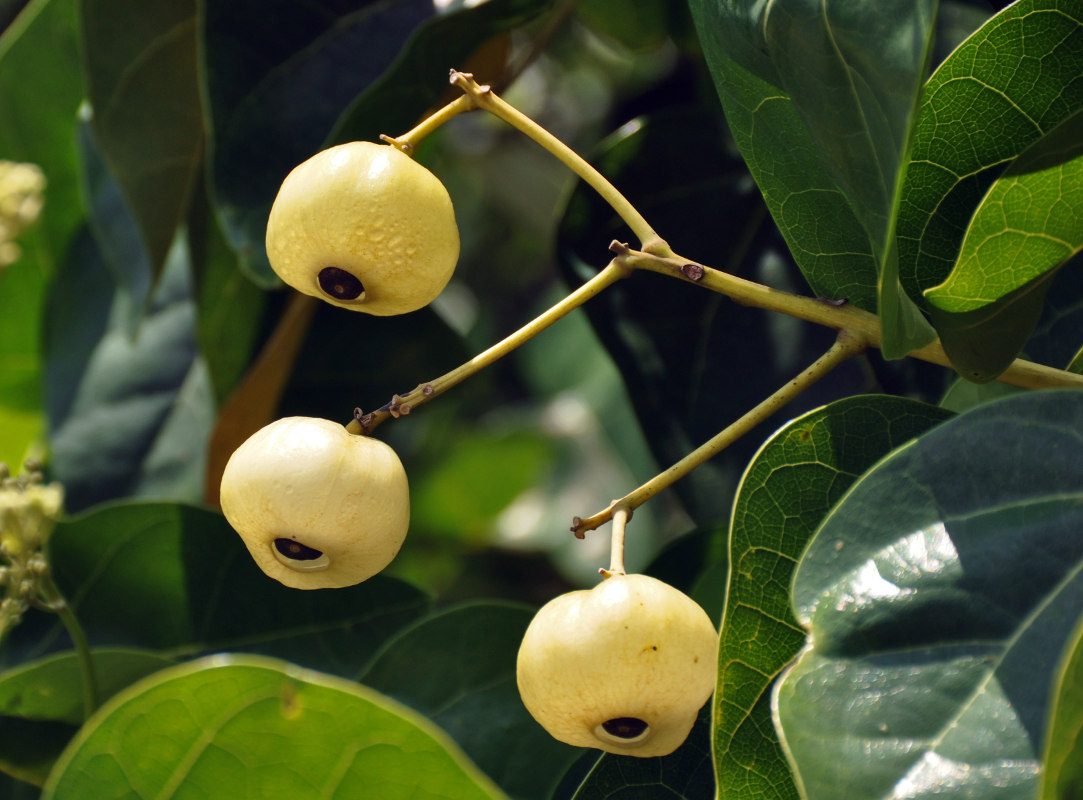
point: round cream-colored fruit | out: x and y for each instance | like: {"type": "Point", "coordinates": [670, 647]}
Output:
{"type": "Point", "coordinates": [364, 226]}
{"type": "Point", "coordinates": [317, 506]}
{"type": "Point", "coordinates": [623, 667]}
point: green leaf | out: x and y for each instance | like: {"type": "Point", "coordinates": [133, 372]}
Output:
{"type": "Point", "coordinates": [821, 99]}
{"type": "Point", "coordinates": [938, 596]}
{"type": "Point", "coordinates": [679, 347]}
{"type": "Point", "coordinates": [246, 724]}
{"type": "Point", "coordinates": [788, 488]}
{"type": "Point", "coordinates": [379, 67]}
{"type": "Point", "coordinates": [41, 704]}
{"type": "Point", "coordinates": [145, 108]}
{"type": "Point", "coordinates": [1062, 768]}
{"type": "Point", "coordinates": [482, 475]}
{"type": "Point", "coordinates": [50, 688]}
{"type": "Point", "coordinates": [685, 774]}
{"type": "Point", "coordinates": [1028, 226]}
{"type": "Point", "coordinates": [1008, 85]}
{"type": "Point", "coordinates": [1030, 222]}
{"type": "Point", "coordinates": [28, 749]}
{"type": "Point", "coordinates": [474, 698]}
{"type": "Point", "coordinates": [133, 418]}
{"type": "Point", "coordinates": [178, 579]}
{"type": "Point", "coordinates": [40, 90]}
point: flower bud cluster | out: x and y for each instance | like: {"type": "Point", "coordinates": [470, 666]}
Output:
{"type": "Point", "coordinates": [29, 509]}
{"type": "Point", "coordinates": [21, 187]}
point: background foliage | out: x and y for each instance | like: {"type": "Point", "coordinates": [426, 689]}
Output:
{"type": "Point", "coordinates": [893, 559]}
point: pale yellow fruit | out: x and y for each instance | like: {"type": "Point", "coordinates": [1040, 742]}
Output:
{"type": "Point", "coordinates": [317, 506]}
{"type": "Point", "coordinates": [623, 667]}
{"type": "Point", "coordinates": [364, 226]}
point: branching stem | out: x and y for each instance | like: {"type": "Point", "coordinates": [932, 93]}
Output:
{"type": "Point", "coordinates": [487, 100]}
{"type": "Point", "coordinates": [398, 406]}
{"type": "Point", "coordinates": [846, 346]}
{"type": "Point", "coordinates": [1022, 373]}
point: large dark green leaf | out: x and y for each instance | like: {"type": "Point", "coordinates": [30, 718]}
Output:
{"type": "Point", "coordinates": [140, 66]}
{"type": "Point", "coordinates": [787, 490]}
{"type": "Point", "coordinates": [1009, 84]}
{"type": "Point", "coordinates": [820, 99]}
{"type": "Point", "coordinates": [256, 727]}
{"type": "Point", "coordinates": [685, 774]}
{"type": "Point", "coordinates": [680, 348]}
{"type": "Point", "coordinates": [281, 74]}
{"type": "Point", "coordinates": [40, 90]}
{"type": "Point", "coordinates": [938, 597]}
{"type": "Point", "coordinates": [473, 695]}
{"type": "Point", "coordinates": [1028, 225]}
{"type": "Point", "coordinates": [177, 579]}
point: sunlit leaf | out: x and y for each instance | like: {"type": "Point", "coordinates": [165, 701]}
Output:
{"type": "Point", "coordinates": [249, 726]}
{"type": "Point", "coordinates": [1008, 85]}
{"type": "Point", "coordinates": [1028, 226]}
{"type": "Point", "coordinates": [938, 596]}
{"type": "Point", "coordinates": [1062, 769]}
{"type": "Point", "coordinates": [787, 490]}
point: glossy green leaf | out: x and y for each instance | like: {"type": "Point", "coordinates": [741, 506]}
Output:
{"type": "Point", "coordinates": [140, 66]}
{"type": "Point", "coordinates": [281, 75]}
{"type": "Point", "coordinates": [938, 596]}
{"type": "Point", "coordinates": [821, 99]}
{"type": "Point", "coordinates": [177, 579]}
{"type": "Point", "coordinates": [679, 348]}
{"type": "Point", "coordinates": [1062, 768]}
{"type": "Point", "coordinates": [256, 727]}
{"type": "Point", "coordinates": [473, 695]}
{"type": "Point", "coordinates": [40, 90]}
{"type": "Point", "coordinates": [685, 774]}
{"type": "Point", "coordinates": [788, 488]}
{"type": "Point", "coordinates": [1008, 85]}
{"type": "Point", "coordinates": [51, 688]}
{"type": "Point", "coordinates": [1028, 226]}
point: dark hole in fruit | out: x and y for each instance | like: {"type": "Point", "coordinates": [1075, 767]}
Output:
{"type": "Point", "coordinates": [340, 284]}
{"type": "Point", "coordinates": [296, 550]}
{"type": "Point", "coordinates": [624, 727]}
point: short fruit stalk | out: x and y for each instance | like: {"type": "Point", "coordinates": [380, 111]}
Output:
{"type": "Point", "coordinates": [365, 227]}
{"type": "Point", "coordinates": [623, 667]}
{"type": "Point", "coordinates": [317, 506]}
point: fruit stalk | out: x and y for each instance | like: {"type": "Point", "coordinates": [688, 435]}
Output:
{"type": "Point", "coordinates": [846, 346]}
{"type": "Point", "coordinates": [400, 405]}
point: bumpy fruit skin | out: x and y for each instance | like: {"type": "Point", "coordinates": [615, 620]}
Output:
{"type": "Point", "coordinates": [340, 500]}
{"type": "Point", "coordinates": [633, 654]}
{"type": "Point", "coordinates": [374, 214]}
